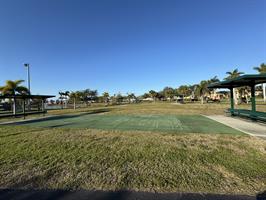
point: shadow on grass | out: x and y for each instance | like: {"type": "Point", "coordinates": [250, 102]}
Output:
{"type": "Point", "coordinates": [62, 117]}
{"type": "Point", "coordinates": [19, 133]}
{"type": "Point", "coordinates": [14, 193]}
{"type": "Point", "coordinates": [27, 194]}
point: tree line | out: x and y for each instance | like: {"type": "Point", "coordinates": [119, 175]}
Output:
{"type": "Point", "coordinates": [196, 91]}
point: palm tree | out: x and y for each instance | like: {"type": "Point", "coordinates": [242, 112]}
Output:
{"type": "Point", "coordinates": [153, 94]}
{"type": "Point", "coordinates": [202, 89]}
{"type": "Point", "coordinates": [131, 97]}
{"type": "Point", "coordinates": [75, 96]}
{"type": "Point", "coordinates": [193, 89]}
{"type": "Point", "coordinates": [106, 97]}
{"type": "Point", "coordinates": [262, 70]}
{"type": "Point", "coordinates": [63, 97]}
{"type": "Point", "coordinates": [13, 88]}
{"type": "Point", "coordinates": [168, 93]}
{"type": "Point", "coordinates": [214, 79]}
{"type": "Point", "coordinates": [119, 98]}
{"type": "Point", "coordinates": [231, 75]}
{"type": "Point", "coordinates": [184, 90]}
{"type": "Point", "coordinates": [93, 95]}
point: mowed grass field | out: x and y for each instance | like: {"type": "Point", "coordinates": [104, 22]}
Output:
{"type": "Point", "coordinates": [146, 147]}
{"type": "Point", "coordinates": [152, 122]}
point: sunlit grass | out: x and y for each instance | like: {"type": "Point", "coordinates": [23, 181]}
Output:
{"type": "Point", "coordinates": [110, 160]}
{"type": "Point", "coordinates": [83, 158]}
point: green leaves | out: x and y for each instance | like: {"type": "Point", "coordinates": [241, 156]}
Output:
{"type": "Point", "coordinates": [261, 69]}
{"type": "Point", "coordinates": [13, 87]}
{"type": "Point", "coordinates": [233, 74]}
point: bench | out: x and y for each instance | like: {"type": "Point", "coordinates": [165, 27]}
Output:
{"type": "Point", "coordinates": [248, 113]}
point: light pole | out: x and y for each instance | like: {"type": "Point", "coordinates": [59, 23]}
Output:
{"type": "Point", "coordinates": [27, 65]}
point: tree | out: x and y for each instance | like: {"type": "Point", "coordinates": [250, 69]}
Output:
{"type": "Point", "coordinates": [93, 95]}
{"type": "Point", "coordinates": [146, 95]}
{"type": "Point", "coordinates": [184, 90]}
{"type": "Point", "coordinates": [75, 96]}
{"type": "Point", "coordinates": [131, 97]}
{"type": "Point", "coordinates": [213, 80]}
{"type": "Point", "coordinates": [153, 94]}
{"type": "Point", "coordinates": [88, 96]}
{"type": "Point", "coordinates": [202, 89]}
{"type": "Point", "coordinates": [84, 95]}
{"type": "Point", "coordinates": [63, 97]}
{"type": "Point", "coordinates": [262, 70]}
{"type": "Point", "coordinates": [168, 92]}
{"type": "Point", "coordinates": [13, 88]}
{"type": "Point", "coordinates": [193, 89]}
{"type": "Point", "coordinates": [231, 75]}
{"type": "Point", "coordinates": [119, 98]}
{"type": "Point", "coordinates": [66, 94]}
{"type": "Point", "coordinates": [106, 97]}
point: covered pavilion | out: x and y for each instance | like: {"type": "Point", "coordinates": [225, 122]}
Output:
{"type": "Point", "coordinates": [25, 98]}
{"type": "Point", "coordinates": [246, 80]}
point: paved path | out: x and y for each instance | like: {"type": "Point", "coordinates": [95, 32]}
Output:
{"type": "Point", "coordinates": [16, 194]}
{"type": "Point", "coordinates": [248, 127]}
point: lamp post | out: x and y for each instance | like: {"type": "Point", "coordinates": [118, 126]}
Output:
{"type": "Point", "coordinates": [27, 65]}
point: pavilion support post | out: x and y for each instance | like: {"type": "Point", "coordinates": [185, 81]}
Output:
{"type": "Point", "coordinates": [24, 108]}
{"type": "Point", "coordinates": [43, 108]}
{"type": "Point", "coordinates": [232, 100]}
{"type": "Point", "coordinates": [253, 99]}
{"type": "Point", "coordinates": [14, 107]}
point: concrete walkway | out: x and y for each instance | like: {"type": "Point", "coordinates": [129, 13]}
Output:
{"type": "Point", "coordinates": [246, 126]}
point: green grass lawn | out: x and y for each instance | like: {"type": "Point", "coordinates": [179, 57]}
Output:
{"type": "Point", "coordinates": [144, 122]}
{"type": "Point", "coordinates": [133, 147]}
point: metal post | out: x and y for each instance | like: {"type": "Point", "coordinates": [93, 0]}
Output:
{"type": "Point", "coordinates": [43, 108]}
{"type": "Point", "coordinates": [253, 99]}
{"type": "Point", "coordinates": [24, 108]}
{"type": "Point", "coordinates": [14, 107]}
{"type": "Point", "coordinates": [232, 100]}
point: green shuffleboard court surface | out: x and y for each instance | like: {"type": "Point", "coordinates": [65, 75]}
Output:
{"type": "Point", "coordinates": [154, 123]}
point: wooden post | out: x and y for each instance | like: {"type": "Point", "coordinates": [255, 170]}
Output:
{"type": "Point", "coordinates": [253, 99]}
{"type": "Point", "coordinates": [232, 100]}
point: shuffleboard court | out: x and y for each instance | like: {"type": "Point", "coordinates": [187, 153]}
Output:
{"type": "Point", "coordinates": [154, 123]}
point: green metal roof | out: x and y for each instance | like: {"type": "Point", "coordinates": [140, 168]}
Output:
{"type": "Point", "coordinates": [245, 80]}
{"type": "Point", "coordinates": [26, 96]}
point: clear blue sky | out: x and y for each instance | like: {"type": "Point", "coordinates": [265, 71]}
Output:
{"type": "Point", "coordinates": [128, 45]}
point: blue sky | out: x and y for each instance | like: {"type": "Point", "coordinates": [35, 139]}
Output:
{"type": "Point", "coordinates": [128, 45]}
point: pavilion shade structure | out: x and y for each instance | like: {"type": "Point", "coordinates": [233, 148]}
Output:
{"type": "Point", "coordinates": [24, 98]}
{"type": "Point", "coordinates": [246, 80]}
{"type": "Point", "coordinates": [21, 96]}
